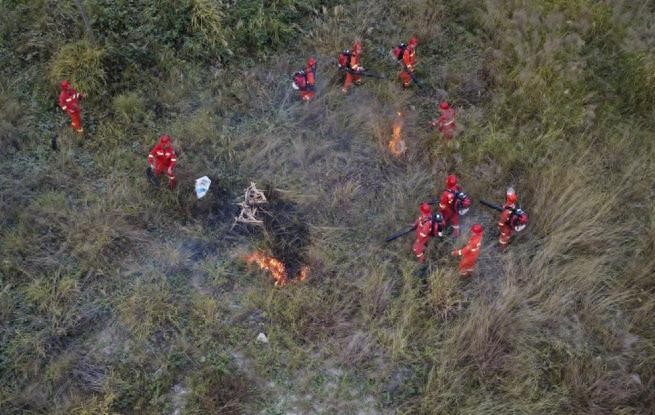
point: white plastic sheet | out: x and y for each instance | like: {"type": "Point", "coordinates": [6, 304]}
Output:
{"type": "Point", "coordinates": [202, 186]}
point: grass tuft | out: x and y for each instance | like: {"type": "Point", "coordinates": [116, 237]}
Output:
{"type": "Point", "coordinates": [82, 65]}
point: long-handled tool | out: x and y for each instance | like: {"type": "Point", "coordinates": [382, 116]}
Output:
{"type": "Point", "coordinates": [401, 233]}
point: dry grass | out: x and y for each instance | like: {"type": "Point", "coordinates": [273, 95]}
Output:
{"type": "Point", "coordinates": [120, 298]}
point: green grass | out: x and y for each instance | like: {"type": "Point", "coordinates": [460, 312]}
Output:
{"type": "Point", "coordinates": [119, 298]}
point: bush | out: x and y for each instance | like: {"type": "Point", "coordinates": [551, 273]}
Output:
{"type": "Point", "coordinates": [81, 64]}
{"type": "Point", "coordinates": [207, 20]}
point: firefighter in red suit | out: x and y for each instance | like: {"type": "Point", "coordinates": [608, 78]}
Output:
{"type": "Point", "coordinates": [446, 122]}
{"type": "Point", "coordinates": [69, 101]}
{"type": "Point", "coordinates": [305, 80]}
{"type": "Point", "coordinates": [511, 218]}
{"type": "Point", "coordinates": [470, 252]}
{"type": "Point", "coordinates": [350, 64]}
{"type": "Point", "coordinates": [424, 230]}
{"type": "Point", "coordinates": [162, 159]}
{"type": "Point", "coordinates": [406, 55]}
{"type": "Point", "coordinates": [452, 203]}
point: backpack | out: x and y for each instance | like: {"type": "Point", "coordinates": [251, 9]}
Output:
{"type": "Point", "coordinates": [518, 219]}
{"type": "Point", "coordinates": [344, 59]}
{"type": "Point", "coordinates": [462, 201]}
{"type": "Point", "coordinates": [300, 79]}
{"type": "Point", "coordinates": [399, 51]}
{"type": "Point", "coordinates": [438, 225]}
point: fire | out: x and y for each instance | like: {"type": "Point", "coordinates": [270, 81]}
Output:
{"type": "Point", "coordinates": [304, 273]}
{"type": "Point", "coordinates": [276, 268]}
{"type": "Point", "coordinates": [397, 145]}
{"type": "Point", "coordinates": [273, 265]}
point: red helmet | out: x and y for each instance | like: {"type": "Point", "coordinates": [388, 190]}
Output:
{"type": "Point", "coordinates": [444, 105]}
{"type": "Point", "coordinates": [165, 139]}
{"type": "Point", "coordinates": [413, 42]}
{"type": "Point", "coordinates": [357, 47]}
{"type": "Point", "coordinates": [426, 209]}
{"type": "Point", "coordinates": [477, 229]}
{"type": "Point", "coordinates": [65, 84]}
{"type": "Point", "coordinates": [311, 62]}
{"type": "Point", "coordinates": [451, 181]}
{"type": "Point", "coordinates": [510, 196]}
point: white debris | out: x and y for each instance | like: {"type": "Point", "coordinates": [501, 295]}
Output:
{"type": "Point", "coordinates": [202, 186]}
{"type": "Point", "coordinates": [179, 399]}
{"type": "Point", "coordinates": [252, 198]}
{"type": "Point", "coordinates": [261, 337]}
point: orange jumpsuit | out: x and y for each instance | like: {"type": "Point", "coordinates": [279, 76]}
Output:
{"type": "Point", "coordinates": [505, 225]}
{"type": "Point", "coordinates": [511, 219]}
{"type": "Point", "coordinates": [448, 209]}
{"type": "Point", "coordinates": [409, 59]}
{"type": "Point", "coordinates": [446, 123]}
{"type": "Point", "coordinates": [423, 233]}
{"type": "Point", "coordinates": [350, 62]}
{"type": "Point", "coordinates": [469, 253]}
{"type": "Point", "coordinates": [309, 93]}
{"type": "Point", "coordinates": [162, 159]}
{"type": "Point", "coordinates": [69, 101]}
{"type": "Point", "coordinates": [308, 81]}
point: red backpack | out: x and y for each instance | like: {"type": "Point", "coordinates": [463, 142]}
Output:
{"type": "Point", "coordinates": [344, 59]}
{"type": "Point", "coordinates": [300, 79]}
{"type": "Point", "coordinates": [399, 51]}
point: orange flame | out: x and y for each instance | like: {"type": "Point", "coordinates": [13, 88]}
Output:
{"type": "Point", "coordinates": [276, 268]}
{"type": "Point", "coordinates": [397, 145]}
{"type": "Point", "coordinates": [304, 273]}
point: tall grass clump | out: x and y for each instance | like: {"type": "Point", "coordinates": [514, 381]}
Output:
{"type": "Point", "coordinates": [82, 65]}
{"type": "Point", "coordinates": [207, 19]}
{"type": "Point", "coordinates": [129, 107]}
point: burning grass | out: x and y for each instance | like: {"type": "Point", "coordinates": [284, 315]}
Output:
{"type": "Point", "coordinates": [397, 144]}
{"type": "Point", "coordinates": [287, 236]}
{"type": "Point", "coordinates": [276, 268]}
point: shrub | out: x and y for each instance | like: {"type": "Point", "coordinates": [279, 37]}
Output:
{"type": "Point", "coordinates": [260, 26]}
{"type": "Point", "coordinates": [208, 20]}
{"type": "Point", "coordinates": [81, 64]}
